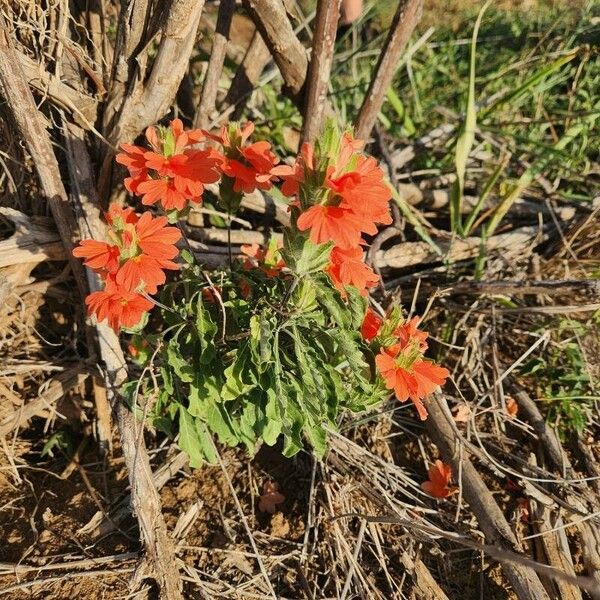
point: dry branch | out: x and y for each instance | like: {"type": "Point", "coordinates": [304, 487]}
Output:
{"type": "Point", "coordinates": [405, 20]}
{"type": "Point", "coordinates": [271, 20]}
{"type": "Point", "coordinates": [45, 402]}
{"type": "Point", "coordinates": [328, 14]}
{"type": "Point", "coordinates": [34, 240]}
{"type": "Point", "coordinates": [246, 77]}
{"type": "Point", "coordinates": [145, 497]}
{"type": "Point", "coordinates": [61, 94]}
{"type": "Point", "coordinates": [149, 100]}
{"type": "Point", "coordinates": [496, 529]}
{"type": "Point", "coordinates": [410, 254]}
{"type": "Point", "coordinates": [136, 102]}
{"type": "Point", "coordinates": [215, 64]}
{"type": "Point", "coordinates": [19, 99]}
{"type": "Point", "coordinates": [590, 534]}
{"type": "Point", "coordinates": [160, 553]}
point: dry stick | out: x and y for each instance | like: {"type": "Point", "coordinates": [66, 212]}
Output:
{"type": "Point", "coordinates": [132, 26]}
{"type": "Point", "coordinates": [496, 529]}
{"type": "Point", "coordinates": [56, 389]}
{"type": "Point", "coordinates": [20, 101]}
{"type": "Point", "coordinates": [160, 552]}
{"type": "Point", "coordinates": [590, 536]}
{"type": "Point", "coordinates": [58, 92]}
{"type": "Point", "coordinates": [248, 73]}
{"type": "Point", "coordinates": [33, 241]}
{"type": "Point", "coordinates": [149, 101]}
{"type": "Point", "coordinates": [271, 20]}
{"type": "Point", "coordinates": [138, 103]}
{"type": "Point", "coordinates": [215, 64]}
{"type": "Point", "coordinates": [410, 254]}
{"type": "Point", "coordinates": [425, 586]}
{"type": "Point", "coordinates": [145, 499]}
{"type": "Point", "coordinates": [494, 551]}
{"type": "Point", "coordinates": [328, 14]}
{"type": "Point", "coordinates": [82, 189]}
{"type": "Point", "coordinates": [405, 20]}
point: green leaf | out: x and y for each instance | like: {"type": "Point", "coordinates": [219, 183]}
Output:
{"type": "Point", "coordinates": [331, 300]}
{"type": "Point", "coordinates": [303, 256]}
{"type": "Point", "coordinates": [317, 438]}
{"type": "Point", "coordinates": [220, 423]}
{"type": "Point", "coordinates": [357, 306]}
{"type": "Point", "coordinates": [466, 137]}
{"type": "Point", "coordinates": [261, 334]}
{"type": "Point", "coordinates": [273, 426]}
{"type": "Point", "coordinates": [205, 390]}
{"type": "Point", "coordinates": [237, 376]}
{"type": "Point", "coordinates": [207, 330]}
{"type": "Point", "coordinates": [189, 440]}
{"type": "Point", "coordinates": [206, 443]}
{"type": "Point", "coordinates": [182, 367]}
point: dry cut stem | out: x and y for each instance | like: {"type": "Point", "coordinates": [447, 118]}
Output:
{"type": "Point", "coordinates": [215, 64]}
{"type": "Point", "coordinates": [328, 14]}
{"type": "Point", "coordinates": [271, 20]}
{"type": "Point", "coordinates": [145, 499]}
{"type": "Point", "coordinates": [405, 20]}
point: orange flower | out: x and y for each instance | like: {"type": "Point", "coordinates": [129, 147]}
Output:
{"type": "Point", "coordinates": [210, 294]}
{"type": "Point", "coordinates": [155, 238]}
{"type": "Point", "coordinates": [132, 157]}
{"type": "Point", "coordinates": [371, 325]}
{"type": "Point", "coordinates": [364, 191]}
{"type": "Point", "coordinates": [140, 251]}
{"type": "Point", "coordinates": [171, 173]}
{"type": "Point", "coordinates": [342, 201]}
{"type": "Point", "coordinates": [245, 289]}
{"type": "Point", "coordinates": [270, 498]}
{"type": "Point", "coordinates": [117, 216]}
{"type": "Point", "coordinates": [164, 192]}
{"type": "Point", "coordinates": [438, 485]}
{"type": "Point", "coordinates": [331, 224]}
{"type": "Point", "coordinates": [248, 166]}
{"type": "Point", "coordinates": [294, 175]}
{"type": "Point", "coordinates": [120, 307]}
{"type": "Point", "coordinates": [512, 408]}
{"type": "Point", "coordinates": [142, 272]}
{"type": "Point", "coordinates": [348, 268]}
{"type": "Point", "coordinates": [404, 369]}
{"type": "Point", "coordinates": [99, 256]}
{"type": "Point", "coordinates": [149, 248]}
{"type": "Point", "coordinates": [408, 331]}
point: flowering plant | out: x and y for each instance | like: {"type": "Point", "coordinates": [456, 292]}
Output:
{"type": "Point", "coordinates": [283, 340]}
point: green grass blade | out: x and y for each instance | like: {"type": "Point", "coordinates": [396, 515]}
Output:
{"type": "Point", "coordinates": [485, 192]}
{"type": "Point", "coordinates": [466, 137]}
{"type": "Point", "coordinates": [530, 82]}
{"type": "Point", "coordinates": [409, 214]}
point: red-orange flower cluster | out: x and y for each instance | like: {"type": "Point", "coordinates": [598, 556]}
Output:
{"type": "Point", "coordinates": [173, 172]}
{"type": "Point", "coordinates": [401, 361]}
{"type": "Point", "coordinates": [132, 263]}
{"type": "Point", "coordinates": [248, 166]}
{"type": "Point", "coordinates": [350, 199]}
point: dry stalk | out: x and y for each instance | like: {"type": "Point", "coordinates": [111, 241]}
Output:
{"type": "Point", "coordinates": [215, 64]}
{"type": "Point", "coordinates": [405, 20]}
{"type": "Point", "coordinates": [328, 14]}
{"type": "Point", "coordinates": [271, 20]}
